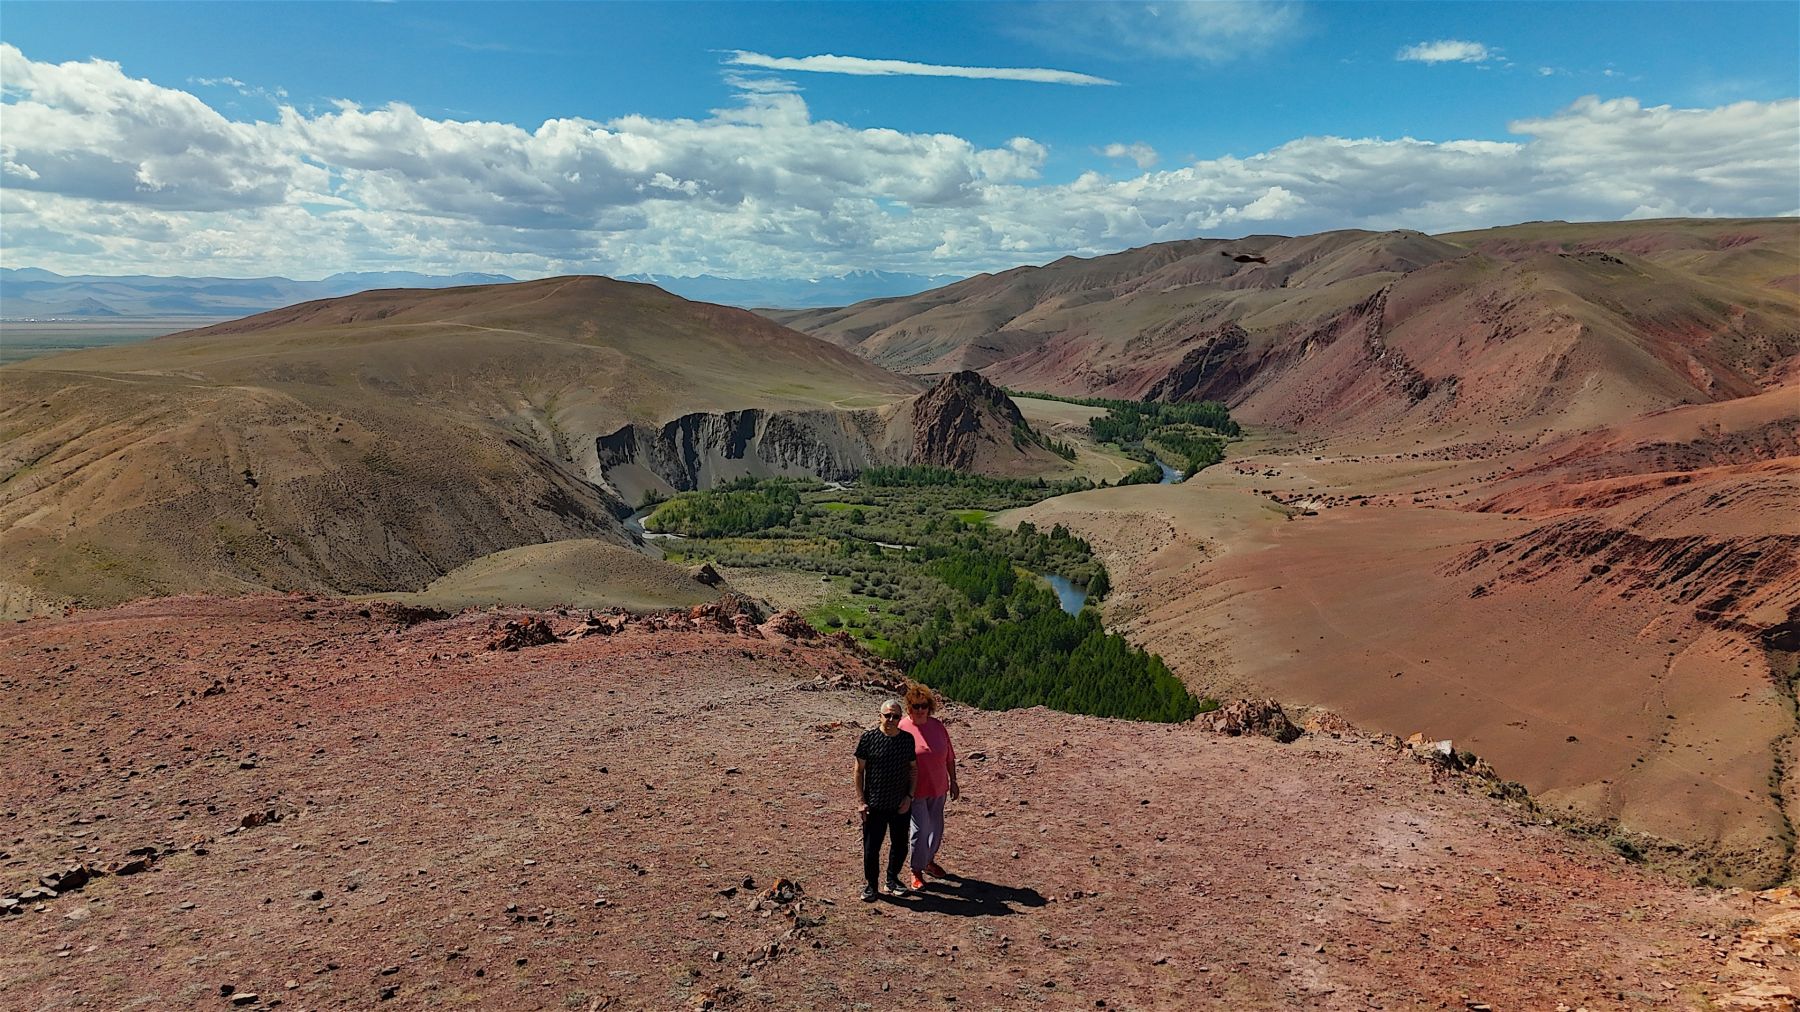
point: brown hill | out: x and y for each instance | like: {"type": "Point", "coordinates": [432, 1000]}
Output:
{"type": "Point", "coordinates": [1559, 326]}
{"type": "Point", "coordinates": [331, 810]}
{"type": "Point", "coordinates": [376, 442]}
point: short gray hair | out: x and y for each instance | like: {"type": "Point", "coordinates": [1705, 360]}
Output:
{"type": "Point", "coordinates": [893, 701]}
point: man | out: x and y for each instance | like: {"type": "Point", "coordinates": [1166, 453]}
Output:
{"type": "Point", "coordinates": [885, 777]}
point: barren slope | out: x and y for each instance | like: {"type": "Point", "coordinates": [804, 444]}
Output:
{"type": "Point", "coordinates": [591, 825]}
{"type": "Point", "coordinates": [368, 443]}
{"type": "Point", "coordinates": [1610, 619]}
{"type": "Point", "coordinates": [1560, 326]}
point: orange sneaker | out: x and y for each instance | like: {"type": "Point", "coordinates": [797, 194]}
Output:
{"type": "Point", "coordinates": [916, 882]}
{"type": "Point", "coordinates": [936, 870]}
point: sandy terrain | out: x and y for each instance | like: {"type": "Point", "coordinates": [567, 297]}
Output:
{"type": "Point", "coordinates": [591, 824]}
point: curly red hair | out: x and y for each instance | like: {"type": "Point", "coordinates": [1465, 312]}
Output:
{"type": "Point", "coordinates": [920, 694]}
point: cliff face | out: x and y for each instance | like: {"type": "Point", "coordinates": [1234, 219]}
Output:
{"type": "Point", "coordinates": [702, 449]}
{"type": "Point", "coordinates": [964, 422]}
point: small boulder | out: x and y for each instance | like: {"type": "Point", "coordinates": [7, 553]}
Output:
{"type": "Point", "coordinates": [790, 624]}
{"type": "Point", "coordinates": [523, 632]}
{"type": "Point", "coordinates": [1251, 716]}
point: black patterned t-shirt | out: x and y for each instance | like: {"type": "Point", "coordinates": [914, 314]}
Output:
{"type": "Point", "coordinates": [887, 777]}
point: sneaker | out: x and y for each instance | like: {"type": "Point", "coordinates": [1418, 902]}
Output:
{"type": "Point", "coordinates": [894, 887]}
{"type": "Point", "coordinates": [936, 870]}
{"type": "Point", "coordinates": [868, 894]}
{"type": "Point", "coordinates": [917, 882]}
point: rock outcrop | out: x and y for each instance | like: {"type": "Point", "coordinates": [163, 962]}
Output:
{"type": "Point", "coordinates": [702, 449]}
{"type": "Point", "coordinates": [963, 422]}
{"type": "Point", "coordinates": [955, 421]}
{"type": "Point", "coordinates": [1250, 716]}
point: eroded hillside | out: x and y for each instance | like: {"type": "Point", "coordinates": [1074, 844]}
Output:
{"type": "Point", "coordinates": [1560, 326]}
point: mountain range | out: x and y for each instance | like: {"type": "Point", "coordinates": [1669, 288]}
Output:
{"type": "Point", "coordinates": [796, 293]}
{"type": "Point", "coordinates": [1546, 324]}
{"type": "Point", "coordinates": [34, 294]}
{"type": "Point", "coordinates": [28, 293]}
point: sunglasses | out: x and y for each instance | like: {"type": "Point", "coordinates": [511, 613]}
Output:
{"type": "Point", "coordinates": [921, 706]}
{"type": "Point", "coordinates": [890, 716]}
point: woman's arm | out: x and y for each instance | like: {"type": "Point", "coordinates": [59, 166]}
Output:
{"type": "Point", "coordinates": [950, 767]}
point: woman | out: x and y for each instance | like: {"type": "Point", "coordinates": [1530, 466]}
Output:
{"type": "Point", "coordinates": [936, 761]}
{"type": "Point", "coordinates": [885, 774]}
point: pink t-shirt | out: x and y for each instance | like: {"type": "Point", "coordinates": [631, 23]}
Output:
{"type": "Point", "coordinates": [932, 751]}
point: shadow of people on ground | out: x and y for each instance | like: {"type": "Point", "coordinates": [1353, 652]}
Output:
{"type": "Point", "coordinates": [960, 896]}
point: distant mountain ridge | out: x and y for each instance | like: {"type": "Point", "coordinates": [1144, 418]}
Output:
{"type": "Point", "coordinates": [796, 293]}
{"type": "Point", "coordinates": [36, 294]}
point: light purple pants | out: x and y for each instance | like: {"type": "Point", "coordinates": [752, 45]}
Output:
{"type": "Point", "coordinates": [927, 831]}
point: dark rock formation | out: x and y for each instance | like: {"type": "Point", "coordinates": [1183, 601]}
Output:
{"type": "Point", "coordinates": [952, 419]}
{"type": "Point", "coordinates": [1210, 371]}
{"type": "Point", "coordinates": [698, 450]}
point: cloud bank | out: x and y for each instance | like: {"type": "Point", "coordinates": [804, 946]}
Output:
{"type": "Point", "coordinates": [101, 172]}
{"type": "Point", "coordinates": [858, 66]}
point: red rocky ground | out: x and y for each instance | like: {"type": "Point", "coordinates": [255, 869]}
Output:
{"type": "Point", "coordinates": [598, 824]}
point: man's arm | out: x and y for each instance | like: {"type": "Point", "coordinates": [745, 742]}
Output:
{"type": "Point", "coordinates": [862, 796]}
{"type": "Point", "coordinates": [912, 784]}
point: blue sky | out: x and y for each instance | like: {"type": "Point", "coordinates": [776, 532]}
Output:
{"type": "Point", "coordinates": [683, 139]}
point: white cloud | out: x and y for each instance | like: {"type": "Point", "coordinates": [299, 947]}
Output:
{"type": "Point", "coordinates": [1215, 32]}
{"type": "Point", "coordinates": [1446, 51]}
{"type": "Point", "coordinates": [1143, 154]}
{"type": "Point", "coordinates": [107, 174]}
{"type": "Point", "coordinates": [85, 129]}
{"type": "Point", "coordinates": [858, 66]}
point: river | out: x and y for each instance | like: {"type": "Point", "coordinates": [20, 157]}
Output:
{"type": "Point", "coordinates": [635, 524]}
{"type": "Point", "coordinates": [1071, 597]}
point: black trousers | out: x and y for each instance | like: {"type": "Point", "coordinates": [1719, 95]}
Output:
{"type": "Point", "coordinates": [893, 824]}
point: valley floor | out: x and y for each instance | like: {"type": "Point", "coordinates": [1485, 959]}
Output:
{"type": "Point", "coordinates": [589, 824]}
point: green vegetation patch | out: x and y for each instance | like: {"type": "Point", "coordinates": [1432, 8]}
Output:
{"type": "Point", "coordinates": [741, 507]}
{"type": "Point", "coordinates": [1190, 437]}
{"type": "Point", "coordinates": [1066, 662]}
{"type": "Point", "coordinates": [918, 574]}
